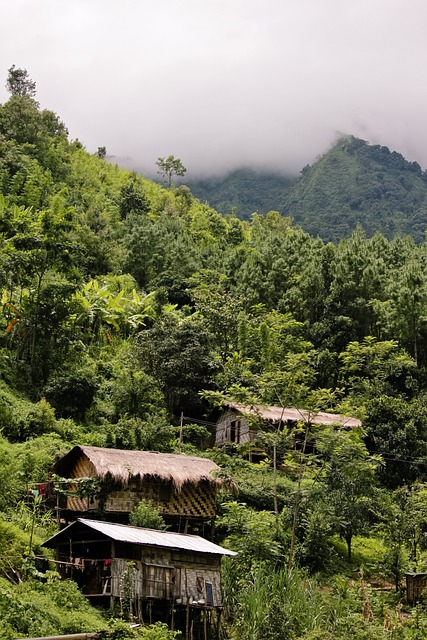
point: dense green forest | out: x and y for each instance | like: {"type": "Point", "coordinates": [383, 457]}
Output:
{"type": "Point", "coordinates": [354, 183]}
{"type": "Point", "coordinates": [243, 191]}
{"type": "Point", "coordinates": [125, 304]}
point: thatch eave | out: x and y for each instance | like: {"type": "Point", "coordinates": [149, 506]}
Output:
{"type": "Point", "coordinates": [123, 466]}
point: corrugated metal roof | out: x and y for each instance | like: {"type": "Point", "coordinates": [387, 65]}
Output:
{"type": "Point", "coordinates": [149, 537]}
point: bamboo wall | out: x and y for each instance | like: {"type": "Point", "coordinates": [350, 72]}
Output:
{"type": "Point", "coordinates": [83, 468]}
{"type": "Point", "coordinates": [193, 500]}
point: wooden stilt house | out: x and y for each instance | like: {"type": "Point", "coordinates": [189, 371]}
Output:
{"type": "Point", "coordinates": [155, 575]}
{"type": "Point", "coordinates": [184, 488]}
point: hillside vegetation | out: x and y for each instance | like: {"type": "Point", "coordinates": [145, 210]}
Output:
{"type": "Point", "coordinates": [243, 192]}
{"type": "Point", "coordinates": [357, 183]}
{"type": "Point", "coordinates": [125, 304]}
{"type": "Point", "coordinates": [353, 184]}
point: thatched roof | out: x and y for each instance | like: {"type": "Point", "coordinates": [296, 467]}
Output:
{"type": "Point", "coordinates": [277, 414]}
{"type": "Point", "coordinates": [122, 465]}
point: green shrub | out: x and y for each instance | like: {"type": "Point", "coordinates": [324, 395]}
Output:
{"type": "Point", "coordinates": [147, 515]}
{"type": "Point", "coordinates": [120, 630]}
{"type": "Point", "coordinates": [33, 609]}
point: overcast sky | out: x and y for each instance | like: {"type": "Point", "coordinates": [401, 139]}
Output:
{"type": "Point", "coordinates": [225, 83]}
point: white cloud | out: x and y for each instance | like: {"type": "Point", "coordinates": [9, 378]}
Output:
{"type": "Point", "coordinates": [225, 83]}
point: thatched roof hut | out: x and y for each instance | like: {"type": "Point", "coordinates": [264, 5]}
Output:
{"type": "Point", "coordinates": [182, 487]}
{"type": "Point", "coordinates": [122, 465]}
{"type": "Point", "coordinates": [291, 414]}
{"type": "Point", "coordinates": [239, 423]}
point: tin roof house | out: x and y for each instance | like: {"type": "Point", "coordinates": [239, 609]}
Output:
{"type": "Point", "coordinates": [184, 488]}
{"type": "Point", "coordinates": [155, 575]}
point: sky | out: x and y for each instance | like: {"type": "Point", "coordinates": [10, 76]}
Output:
{"type": "Point", "coordinates": [223, 84]}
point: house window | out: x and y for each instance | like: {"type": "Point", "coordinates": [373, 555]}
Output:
{"type": "Point", "coordinates": [235, 431]}
{"type": "Point", "coordinates": [158, 581]}
{"type": "Point", "coordinates": [210, 601]}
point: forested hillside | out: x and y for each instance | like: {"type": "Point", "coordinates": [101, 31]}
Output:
{"type": "Point", "coordinates": [243, 192]}
{"type": "Point", "coordinates": [357, 183]}
{"type": "Point", "coordinates": [126, 305]}
{"type": "Point", "coordinates": [353, 183]}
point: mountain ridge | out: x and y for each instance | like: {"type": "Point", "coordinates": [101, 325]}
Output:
{"type": "Point", "coordinates": [353, 183]}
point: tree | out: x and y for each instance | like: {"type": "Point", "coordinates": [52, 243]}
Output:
{"type": "Point", "coordinates": [147, 515]}
{"type": "Point", "coordinates": [169, 167]}
{"type": "Point", "coordinates": [19, 83]}
{"type": "Point", "coordinates": [395, 428]}
{"type": "Point", "coordinates": [371, 368]}
{"type": "Point", "coordinates": [349, 483]}
{"type": "Point", "coordinates": [132, 199]}
{"type": "Point", "coordinates": [39, 252]}
{"type": "Point", "coordinates": [408, 302]}
{"type": "Point", "coordinates": [177, 353]}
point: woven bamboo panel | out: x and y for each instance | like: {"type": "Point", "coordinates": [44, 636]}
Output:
{"type": "Point", "coordinates": [416, 585]}
{"type": "Point", "coordinates": [83, 469]}
{"type": "Point", "coordinates": [193, 500]}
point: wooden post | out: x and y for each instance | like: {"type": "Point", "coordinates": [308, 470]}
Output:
{"type": "Point", "coordinates": [71, 558]}
{"type": "Point", "coordinates": [180, 430]}
{"type": "Point", "coordinates": [112, 552]}
{"type": "Point", "coordinates": [33, 520]}
{"type": "Point", "coordinates": [218, 623]}
{"type": "Point", "coordinates": [187, 620]}
{"type": "Point", "coordinates": [276, 509]}
{"type": "Point", "coordinates": [205, 623]}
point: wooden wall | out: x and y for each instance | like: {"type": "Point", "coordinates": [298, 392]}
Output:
{"type": "Point", "coordinates": [224, 429]}
{"type": "Point", "coordinates": [416, 585]}
{"type": "Point", "coordinates": [167, 574]}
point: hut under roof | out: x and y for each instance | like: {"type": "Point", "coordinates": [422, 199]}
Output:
{"type": "Point", "coordinates": [239, 423]}
{"type": "Point", "coordinates": [291, 414]}
{"type": "Point", "coordinates": [169, 577]}
{"type": "Point", "coordinates": [181, 486]}
{"type": "Point", "coordinates": [122, 465]}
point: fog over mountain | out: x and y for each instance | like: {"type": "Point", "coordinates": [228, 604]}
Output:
{"type": "Point", "coordinates": [268, 84]}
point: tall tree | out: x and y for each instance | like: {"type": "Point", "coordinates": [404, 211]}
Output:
{"type": "Point", "coordinates": [349, 483]}
{"type": "Point", "coordinates": [408, 303]}
{"type": "Point", "coordinates": [19, 83]}
{"type": "Point", "coordinates": [170, 167]}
